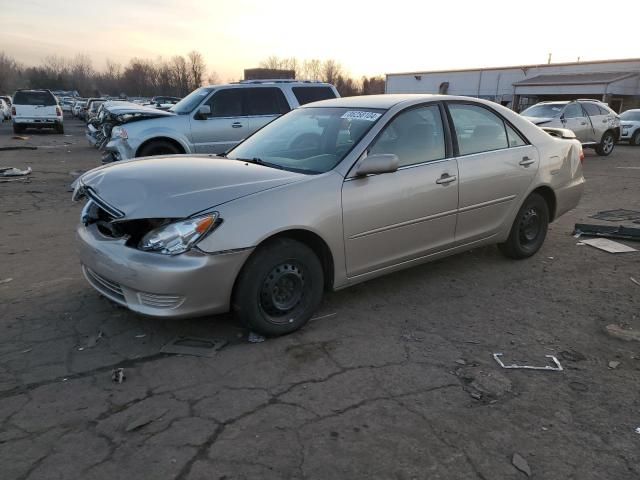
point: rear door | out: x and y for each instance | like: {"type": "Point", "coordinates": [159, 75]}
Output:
{"type": "Point", "coordinates": [496, 166]}
{"type": "Point", "coordinates": [601, 119]}
{"type": "Point", "coordinates": [396, 217]}
{"type": "Point", "coordinates": [263, 104]}
{"type": "Point", "coordinates": [225, 126]}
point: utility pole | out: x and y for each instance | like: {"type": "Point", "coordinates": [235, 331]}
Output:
{"type": "Point", "coordinates": [549, 59]}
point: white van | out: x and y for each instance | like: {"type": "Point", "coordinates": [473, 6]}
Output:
{"type": "Point", "coordinates": [36, 109]}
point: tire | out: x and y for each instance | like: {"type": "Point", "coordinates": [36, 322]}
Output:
{"type": "Point", "coordinates": [279, 288]}
{"type": "Point", "coordinates": [59, 128]}
{"type": "Point", "coordinates": [158, 147]}
{"type": "Point", "coordinates": [635, 140]}
{"type": "Point", "coordinates": [17, 128]}
{"type": "Point", "coordinates": [607, 142]}
{"type": "Point", "coordinates": [529, 229]}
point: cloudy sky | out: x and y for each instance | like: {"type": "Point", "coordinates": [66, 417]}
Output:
{"type": "Point", "coordinates": [366, 37]}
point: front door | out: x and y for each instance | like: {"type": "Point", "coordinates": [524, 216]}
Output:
{"type": "Point", "coordinates": [574, 118]}
{"type": "Point", "coordinates": [496, 166]}
{"type": "Point", "coordinates": [225, 126]}
{"type": "Point", "coordinates": [395, 217]}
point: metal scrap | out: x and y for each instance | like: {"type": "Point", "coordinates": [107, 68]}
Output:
{"type": "Point", "coordinates": [117, 375]}
{"type": "Point", "coordinates": [620, 232]}
{"type": "Point", "coordinates": [198, 347]}
{"type": "Point", "coordinates": [608, 245]}
{"type": "Point", "coordinates": [618, 215]}
{"type": "Point", "coordinates": [14, 172]}
{"type": "Point", "coordinates": [557, 368]}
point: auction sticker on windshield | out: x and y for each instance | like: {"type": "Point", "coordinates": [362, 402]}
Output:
{"type": "Point", "coordinates": [361, 115]}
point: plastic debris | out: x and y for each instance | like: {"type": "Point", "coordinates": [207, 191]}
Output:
{"type": "Point", "coordinates": [14, 172]}
{"type": "Point", "coordinates": [117, 375]}
{"type": "Point", "coordinates": [93, 340]}
{"type": "Point", "coordinates": [142, 335]}
{"type": "Point", "coordinates": [618, 332]}
{"type": "Point", "coordinates": [634, 281]}
{"type": "Point", "coordinates": [6, 280]}
{"type": "Point", "coordinates": [638, 430]}
{"type": "Point", "coordinates": [20, 137]}
{"type": "Point", "coordinates": [608, 245]}
{"type": "Point", "coordinates": [521, 464]}
{"type": "Point", "coordinates": [255, 338]}
{"type": "Point", "coordinates": [557, 368]}
{"type": "Point", "coordinates": [198, 347]}
{"type": "Point", "coordinates": [613, 364]}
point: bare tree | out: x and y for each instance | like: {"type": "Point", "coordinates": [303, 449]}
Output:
{"type": "Point", "coordinates": [10, 74]}
{"type": "Point", "coordinates": [213, 78]}
{"type": "Point", "coordinates": [197, 67]}
{"type": "Point", "coordinates": [311, 70]}
{"type": "Point", "coordinates": [331, 70]}
{"type": "Point", "coordinates": [180, 74]}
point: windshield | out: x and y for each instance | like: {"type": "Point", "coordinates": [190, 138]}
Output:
{"type": "Point", "coordinates": [544, 110]}
{"type": "Point", "coordinates": [631, 115]}
{"type": "Point", "coordinates": [191, 101]}
{"type": "Point", "coordinates": [308, 140]}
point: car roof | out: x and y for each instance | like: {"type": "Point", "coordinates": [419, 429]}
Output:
{"type": "Point", "coordinates": [385, 101]}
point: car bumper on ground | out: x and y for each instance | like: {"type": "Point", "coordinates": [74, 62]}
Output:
{"type": "Point", "coordinates": [188, 285]}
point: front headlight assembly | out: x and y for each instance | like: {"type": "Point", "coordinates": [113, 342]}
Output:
{"type": "Point", "coordinates": [178, 237]}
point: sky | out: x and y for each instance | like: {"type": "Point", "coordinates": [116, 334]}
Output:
{"type": "Point", "coordinates": [366, 37]}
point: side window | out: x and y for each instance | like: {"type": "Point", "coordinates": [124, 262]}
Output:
{"type": "Point", "coordinates": [415, 136]}
{"type": "Point", "coordinates": [573, 110]}
{"type": "Point", "coordinates": [226, 103]}
{"type": "Point", "coordinates": [604, 111]}
{"type": "Point", "coordinates": [306, 95]}
{"type": "Point", "coordinates": [265, 101]}
{"type": "Point", "coordinates": [477, 129]}
{"type": "Point", "coordinates": [515, 140]}
{"type": "Point", "coordinates": [592, 109]}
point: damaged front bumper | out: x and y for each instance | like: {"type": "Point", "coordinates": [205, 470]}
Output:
{"type": "Point", "coordinates": [187, 285]}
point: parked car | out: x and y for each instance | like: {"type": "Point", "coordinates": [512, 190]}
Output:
{"type": "Point", "coordinates": [164, 103]}
{"type": "Point", "coordinates": [7, 99]}
{"type": "Point", "coordinates": [92, 107]}
{"type": "Point", "coordinates": [36, 109]}
{"type": "Point", "coordinates": [593, 122]}
{"type": "Point", "coordinates": [66, 103]}
{"type": "Point", "coordinates": [630, 124]}
{"type": "Point", "coordinates": [393, 181]}
{"type": "Point", "coordinates": [213, 119]}
{"type": "Point", "coordinates": [77, 106]}
{"type": "Point", "coordinates": [5, 111]}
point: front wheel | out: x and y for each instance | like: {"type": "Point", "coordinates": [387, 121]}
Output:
{"type": "Point", "coordinates": [635, 140]}
{"type": "Point", "coordinates": [529, 229]}
{"type": "Point", "coordinates": [158, 147]}
{"type": "Point", "coordinates": [606, 144]}
{"type": "Point", "coordinates": [279, 288]}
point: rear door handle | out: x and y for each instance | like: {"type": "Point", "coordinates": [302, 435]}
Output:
{"type": "Point", "coordinates": [446, 179]}
{"type": "Point", "coordinates": [526, 161]}
{"type": "Point", "coordinates": [236, 125]}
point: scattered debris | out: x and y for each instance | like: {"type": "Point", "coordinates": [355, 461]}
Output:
{"type": "Point", "coordinates": [20, 137]}
{"type": "Point", "coordinates": [199, 347]}
{"type": "Point", "coordinates": [572, 356]}
{"type": "Point", "coordinates": [14, 172]}
{"type": "Point", "coordinates": [608, 245]}
{"type": "Point", "coordinates": [76, 173]}
{"type": "Point", "coordinates": [521, 464]}
{"type": "Point", "coordinates": [26, 350]}
{"type": "Point", "coordinates": [145, 420]}
{"type": "Point", "coordinates": [557, 368]}
{"type": "Point", "coordinates": [634, 281]}
{"type": "Point", "coordinates": [18, 147]}
{"type": "Point", "coordinates": [323, 316]}
{"type": "Point", "coordinates": [550, 258]}
{"type": "Point", "coordinates": [142, 335]}
{"type": "Point", "coordinates": [93, 340]}
{"type": "Point", "coordinates": [620, 232]}
{"type": "Point", "coordinates": [460, 361]}
{"type": "Point", "coordinates": [622, 334]}
{"type": "Point", "coordinates": [580, 244]}
{"type": "Point", "coordinates": [6, 280]}
{"type": "Point", "coordinates": [613, 365]}
{"type": "Point", "coordinates": [638, 430]}
{"type": "Point", "coordinates": [117, 375]}
{"type": "Point", "coordinates": [619, 215]}
{"type": "Point", "coordinates": [255, 338]}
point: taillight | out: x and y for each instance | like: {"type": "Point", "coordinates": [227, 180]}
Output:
{"type": "Point", "coordinates": [58, 111]}
{"type": "Point", "coordinates": [13, 111]}
{"type": "Point", "coordinates": [581, 155]}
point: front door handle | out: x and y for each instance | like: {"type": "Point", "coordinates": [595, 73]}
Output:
{"type": "Point", "coordinates": [526, 161]}
{"type": "Point", "coordinates": [236, 125]}
{"type": "Point", "coordinates": [446, 179]}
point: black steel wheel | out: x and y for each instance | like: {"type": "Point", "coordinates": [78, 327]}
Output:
{"type": "Point", "coordinates": [529, 228]}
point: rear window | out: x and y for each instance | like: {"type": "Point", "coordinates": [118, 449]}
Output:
{"type": "Point", "coordinates": [312, 94]}
{"type": "Point", "coordinates": [34, 98]}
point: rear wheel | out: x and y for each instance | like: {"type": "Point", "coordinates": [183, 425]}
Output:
{"type": "Point", "coordinates": [158, 147]}
{"type": "Point", "coordinates": [635, 140]}
{"type": "Point", "coordinates": [279, 288]}
{"type": "Point", "coordinates": [59, 128]}
{"type": "Point", "coordinates": [606, 144]}
{"type": "Point", "coordinates": [529, 229]}
{"type": "Point", "coordinates": [17, 128]}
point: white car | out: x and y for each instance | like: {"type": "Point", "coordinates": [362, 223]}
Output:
{"type": "Point", "coordinates": [630, 123]}
{"type": "Point", "coordinates": [5, 111]}
{"type": "Point", "coordinates": [36, 109]}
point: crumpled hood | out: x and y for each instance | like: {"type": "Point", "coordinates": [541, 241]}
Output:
{"type": "Point", "coordinates": [539, 120]}
{"type": "Point", "coordinates": [179, 186]}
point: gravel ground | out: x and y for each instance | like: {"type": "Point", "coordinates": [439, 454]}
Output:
{"type": "Point", "coordinates": [394, 379]}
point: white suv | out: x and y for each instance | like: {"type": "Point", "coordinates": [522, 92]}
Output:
{"type": "Point", "coordinates": [36, 109]}
{"type": "Point", "coordinates": [212, 119]}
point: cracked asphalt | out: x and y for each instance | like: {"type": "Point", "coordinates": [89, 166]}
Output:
{"type": "Point", "coordinates": [394, 379]}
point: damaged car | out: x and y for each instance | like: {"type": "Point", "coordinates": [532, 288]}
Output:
{"type": "Point", "coordinates": [326, 196]}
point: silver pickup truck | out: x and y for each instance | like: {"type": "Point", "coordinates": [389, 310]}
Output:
{"type": "Point", "coordinates": [213, 119]}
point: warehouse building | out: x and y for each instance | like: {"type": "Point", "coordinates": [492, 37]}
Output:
{"type": "Point", "coordinates": [616, 82]}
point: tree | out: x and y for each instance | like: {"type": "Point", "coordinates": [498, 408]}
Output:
{"type": "Point", "coordinates": [197, 67]}
{"type": "Point", "coordinates": [180, 74]}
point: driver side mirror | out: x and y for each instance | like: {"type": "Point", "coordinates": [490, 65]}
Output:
{"type": "Point", "coordinates": [203, 112]}
{"type": "Point", "coordinates": [377, 163]}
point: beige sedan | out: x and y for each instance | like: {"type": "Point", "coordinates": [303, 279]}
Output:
{"type": "Point", "coordinates": [329, 195]}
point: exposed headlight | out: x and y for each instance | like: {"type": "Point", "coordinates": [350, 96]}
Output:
{"type": "Point", "coordinates": [118, 131]}
{"type": "Point", "coordinates": [178, 237]}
